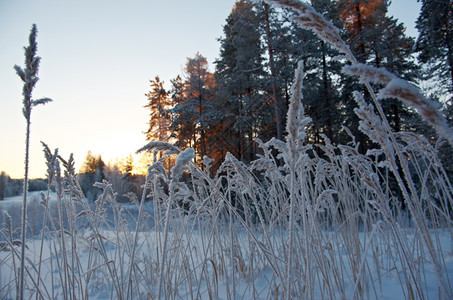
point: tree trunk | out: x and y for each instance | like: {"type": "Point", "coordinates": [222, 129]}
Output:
{"type": "Point", "coordinates": [202, 132]}
{"type": "Point", "coordinates": [359, 30]}
{"type": "Point", "coordinates": [325, 81]}
{"type": "Point", "coordinates": [200, 114]}
{"type": "Point", "coordinates": [194, 144]}
{"type": "Point", "coordinates": [278, 112]}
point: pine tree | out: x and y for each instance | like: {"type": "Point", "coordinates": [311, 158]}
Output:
{"type": "Point", "coordinates": [177, 90]}
{"type": "Point", "coordinates": [159, 119]}
{"type": "Point", "coordinates": [193, 111]}
{"type": "Point", "coordinates": [199, 86]}
{"type": "Point", "coordinates": [435, 41]}
{"type": "Point", "coordinates": [290, 45]}
{"type": "Point", "coordinates": [239, 77]}
{"type": "Point", "coordinates": [92, 170]}
{"type": "Point", "coordinates": [379, 39]}
{"type": "Point", "coordinates": [276, 90]}
{"type": "Point", "coordinates": [128, 165]}
{"type": "Point", "coordinates": [181, 117]}
{"type": "Point", "coordinates": [435, 50]}
{"type": "Point", "coordinates": [320, 100]}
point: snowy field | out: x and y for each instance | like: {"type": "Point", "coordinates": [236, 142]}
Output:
{"type": "Point", "coordinates": [214, 259]}
{"type": "Point", "coordinates": [301, 221]}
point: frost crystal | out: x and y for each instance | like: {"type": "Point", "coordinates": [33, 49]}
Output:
{"type": "Point", "coordinates": [183, 159]}
{"type": "Point", "coordinates": [404, 91]}
{"type": "Point", "coordinates": [411, 95]}
{"type": "Point", "coordinates": [296, 116]}
{"type": "Point", "coordinates": [368, 73]}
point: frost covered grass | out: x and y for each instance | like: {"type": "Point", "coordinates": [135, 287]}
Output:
{"type": "Point", "coordinates": [228, 236]}
{"type": "Point", "coordinates": [327, 224]}
{"type": "Point", "coordinates": [330, 225]}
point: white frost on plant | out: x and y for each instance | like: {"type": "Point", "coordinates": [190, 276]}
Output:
{"type": "Point", "coordinates": [297, 120]}
{"type": "Point", "coordinates": [157, 169]}
{"type": "Point", "coordinates": [411, 95]}
{"type": "Point", "coordinates": [367, 73]}
{"type": "Point", "coordinates": [404, 91]}
{"type": "Point", "coordinates": [371, 125]}
{"type": "Point", "coordinates": [321, 202]}
{"type": "Point", "coordinates": [183, 159]}
{"type": "Point", "coordinates": [309, 18]}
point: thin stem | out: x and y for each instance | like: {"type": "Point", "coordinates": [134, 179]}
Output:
{"type": "Point", "coordinates": [24, 214]}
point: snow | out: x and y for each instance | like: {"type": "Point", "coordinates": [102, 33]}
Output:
{"type": "Point", "coordinates": [200, 266]}
{"type": "Point", "coordinates": [322, 227]}
{"type": "Point", "coordinates": [183, 159]}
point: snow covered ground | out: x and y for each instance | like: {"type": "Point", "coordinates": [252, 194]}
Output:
{"type": "Point", "coordinates": [295, 223]}
{"type": "Point", "coordinates": [213, 260]}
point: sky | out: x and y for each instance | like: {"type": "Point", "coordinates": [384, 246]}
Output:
{"type": "Point", "coordinates": [97, 58]}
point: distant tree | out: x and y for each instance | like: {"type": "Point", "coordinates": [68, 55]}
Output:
{"type": "Point", "coordinates": [11, 187]}
{"type": "Point", "coordinates": [114, 175]}
{"type": "Point", "coordinates": [4, 178]}
{"type": "Point", "coordinates": [92, 163]}
{"type": "Point", "coordinates": [435, 41]}
{"type": "Point", "coordinates": [120, 175]}
{"type": "Point", "coordinates": [128, 166]}
{"type": "Point", "coordinates": [92, 170]}
{"type": "Point", "coordinates": [37, 184]}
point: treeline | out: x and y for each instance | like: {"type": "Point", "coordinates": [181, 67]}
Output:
{"type": "Point", "coordinates": [14, 187]}
{"type": "Point", "coordinates": [119, 175]}
{"type": "Point", "coordinates": [247, 95]}
{"type": "Point", "coordinates": [94, 169]}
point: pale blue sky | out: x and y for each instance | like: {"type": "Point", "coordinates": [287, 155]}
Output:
{"type": "Point", "coordinates": [97, 60]}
